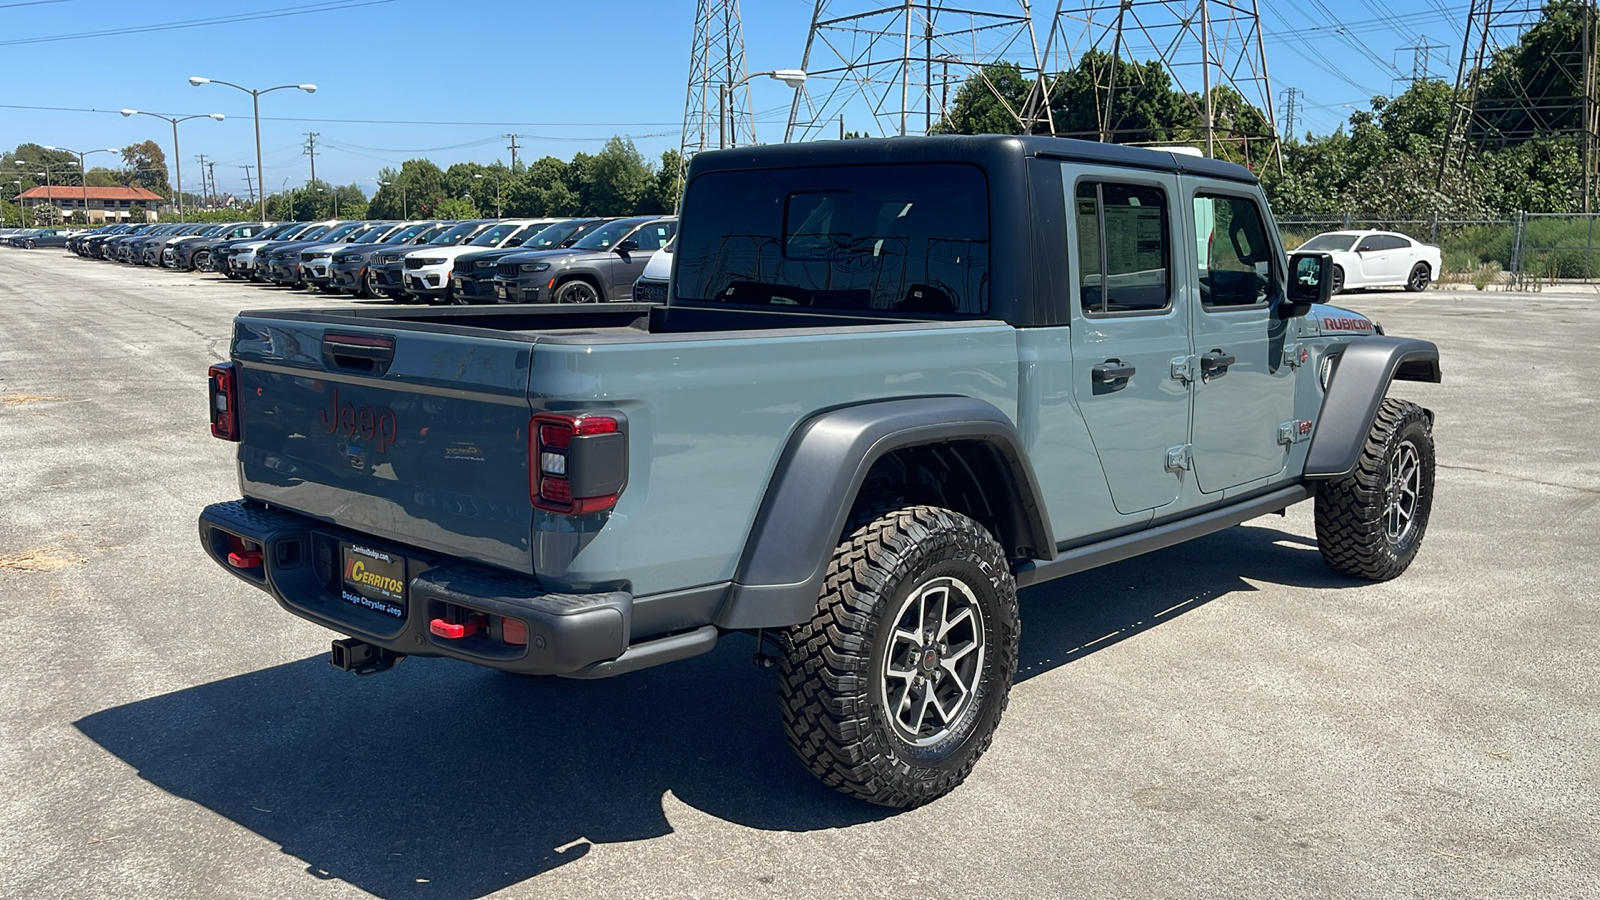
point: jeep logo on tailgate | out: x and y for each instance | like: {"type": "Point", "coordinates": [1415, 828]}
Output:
{"type": "Point", "coordinates": [371, 423]}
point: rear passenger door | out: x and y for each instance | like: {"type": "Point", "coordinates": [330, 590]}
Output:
{"type": "Point", "coordinates": [1244, 390]}
{"type": "Point", "coordinates": [1130, 325]}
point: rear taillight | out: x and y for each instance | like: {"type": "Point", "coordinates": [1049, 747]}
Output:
{"type": "Point", "coordinates": [577, 463]}
{"type": "Point", "coordinates": [224, 402]}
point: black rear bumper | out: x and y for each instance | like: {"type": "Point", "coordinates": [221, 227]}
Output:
{"type": "Point", "coordinates": [566, 634]}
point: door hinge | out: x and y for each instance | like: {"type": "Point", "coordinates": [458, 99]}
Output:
{"type": "Point", "coordinates": [1294, 355]}
{"type": "Point", "coordinates": [1294, 431]}
{"type": "Point", "coordinates": [1183, 368]}
{"type": "Point", "coordinates": [1178, 458]}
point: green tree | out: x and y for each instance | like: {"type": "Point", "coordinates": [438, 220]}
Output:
{"type": "Point", "coordinates": [1535, 86]}
{"type": "Point", "coordinates": [664, 191]}
{"type": "Point", "coordinates": [454, 208]}
{"type": "Point", "coordinates": [980, 104]}
{"type": "Point", "coordinates": [145, 165]}
{"type": "Point", "coordinates": [412, 191]}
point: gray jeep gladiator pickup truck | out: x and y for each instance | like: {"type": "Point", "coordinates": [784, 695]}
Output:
{"type": "Point", "coordinates": [893, 382]}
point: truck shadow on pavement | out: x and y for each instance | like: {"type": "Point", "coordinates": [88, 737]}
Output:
{"type": "Point", "coordinates": [445, 780]}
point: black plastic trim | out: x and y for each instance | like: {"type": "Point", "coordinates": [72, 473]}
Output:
{"type": "Point", "coordinates": [1360, 381]}
{"type": "Point", "coordinates": [816, 481]}
{"type": "Point", "coordinates": [1101, 553]}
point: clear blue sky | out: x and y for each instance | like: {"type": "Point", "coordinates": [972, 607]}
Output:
{"type": "Point", "coordinates": [568, 75]}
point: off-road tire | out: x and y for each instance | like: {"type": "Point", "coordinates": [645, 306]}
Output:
{"type": "Point", "coordinates": [834, 686]}
{"type": "Point", "coordinates": [1419, 279]}
{"type": "Point", "coordinates": [1353, 513]}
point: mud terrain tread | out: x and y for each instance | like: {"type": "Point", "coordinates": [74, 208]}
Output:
{"type": "Point", "coordinates": [825, 668]}
{"type": "Point", "coordinates": [1349, 510]}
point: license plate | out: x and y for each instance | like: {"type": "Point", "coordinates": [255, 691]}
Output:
{"type": "Point", "coordinates": [374, 579]}
{"type": "Point", "coordinates": [457, 283]}
{"type": "Point", "coordinates": [500, 291]}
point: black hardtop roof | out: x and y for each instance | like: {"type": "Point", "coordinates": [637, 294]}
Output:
{"type": "Point", "coordinates": [987, 150]}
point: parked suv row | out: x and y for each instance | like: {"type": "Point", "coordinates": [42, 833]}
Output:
{"type": "Point", "coordinates": [533, 260]}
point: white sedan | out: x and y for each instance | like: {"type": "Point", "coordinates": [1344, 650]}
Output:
{"type": "Point", "coordinates": [1363, 259]}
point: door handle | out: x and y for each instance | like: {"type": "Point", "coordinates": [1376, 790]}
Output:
{"type": "Point", "coordinates": [1215, 360]}
{"type": "Point", "coordinates": [1111, 370]}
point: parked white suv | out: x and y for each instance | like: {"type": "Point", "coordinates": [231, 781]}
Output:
{"type": "Point", "coordinates": [1364, 259]}
{"type": "Point", "coordinates": [427, 269]}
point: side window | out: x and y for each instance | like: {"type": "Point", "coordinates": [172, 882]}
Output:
{"type": "Point", "coordinates": [1124, 251]}
{"type": "Point", "coordinates": [1369, 244]}
{"type": "Point", "coordinates": [1391, 242]}
{"type": "Point", "coordinates": [1236, 256]}
{"type": "Point", "coordinates": [651, 236]}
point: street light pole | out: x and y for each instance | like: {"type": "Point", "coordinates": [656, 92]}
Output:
{"type": "Point", "coordinates": [83, 173]}
{"type": "Point", "coordinates": [255, 102]}
{"type": "Point", "coordinates": [177, 156]}
{"type": "Point", "coordinates": [794, 78]}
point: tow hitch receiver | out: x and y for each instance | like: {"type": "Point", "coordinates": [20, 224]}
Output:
{"type": "Point", "coordinates": [362, 658]}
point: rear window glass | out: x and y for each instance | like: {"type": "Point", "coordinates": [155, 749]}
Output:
{"type": "Point", "coordinates": [907, 239]}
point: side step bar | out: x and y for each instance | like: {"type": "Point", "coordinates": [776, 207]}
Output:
{"type": "Point", "coordinates": [1117, 549]}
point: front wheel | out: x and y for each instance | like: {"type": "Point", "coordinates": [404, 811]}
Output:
{"type": "Point", "coordinates": [202, 262]}
{"type": "Point", "coordinates": [1421, 275]}
{"type": "Point", "coordinates": [895, 687]}
{"type": "Point", "coordinates": [1338, 279]}
{"type": "Point", "coordinates": [367, 290]}
{"type": "Point", "coordinates": [1371, 522]}
{"type": "Point", "coordinates": [577, 291]}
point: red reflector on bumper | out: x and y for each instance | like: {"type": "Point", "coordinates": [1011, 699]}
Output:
{"type": "Point", "coordinates": [514, 631]}
{"type": "Point", "coordinates": [247, 559]}
{"type": "Point", "coordinates": [453, 630]}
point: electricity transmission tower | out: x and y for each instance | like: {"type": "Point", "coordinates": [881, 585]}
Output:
{"type": "Point", "coordinates": [1559, 97]}
{"type": "Point", "coordinates": [889, 65]}
{"type": "Point", "coordinates": [1213, 50]}
{"type": "Point", "coordinates": [717, 110]}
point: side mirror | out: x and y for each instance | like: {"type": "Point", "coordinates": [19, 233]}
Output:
{"type": "Point", "coordinates": [1310, 281]}
{"type": "Point", "coordinates": [627, 246]}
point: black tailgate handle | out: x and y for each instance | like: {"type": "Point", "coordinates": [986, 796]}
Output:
{"type": "Point", "coordinates": [369, 354]}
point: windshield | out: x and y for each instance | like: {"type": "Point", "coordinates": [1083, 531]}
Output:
{"type": "Point", "coordinates": [373, 234]}
{"type": "Point", "coordinates": [278, 229]}
{"type": "Point", "coordinates": [342, 232]}
{"type": "Point", "coordinates": [1331, 242]}
{"type": "Point", "coordinates": [903, 239]}
{"type": "Point", "coordinates": [494, 235]}
{"type": "Point", "coordinates": [603, 237]}
{"type": "Point", "coordinates": [558, 234]}
{"type": "Point", "coordinates": [457, 234]}
{"type": "Point", "coordinates": [310, 234]}
{"type": "Point", "coordinates": [429, 232]}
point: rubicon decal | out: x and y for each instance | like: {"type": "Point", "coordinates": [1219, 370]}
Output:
{"type": "Point", "coordinates": [370, 423]}
{"type": "Point", "coordinates": [1346, 324]}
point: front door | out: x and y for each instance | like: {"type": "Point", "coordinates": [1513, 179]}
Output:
{"type": "Point", "coordinates": [624, 267]}
{"type": "Point", "coordinates": [1245, 387]}
{"type": "Point", "coordinates": [1130, 328]}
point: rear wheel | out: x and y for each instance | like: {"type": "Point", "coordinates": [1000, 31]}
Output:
{"type": "Point", "coordinates": [1420, 277]}
{"type": "Point", "coordinates": [576, 291]}
{"type": "Point", "coordinates": [1371, 522]}
{"type": "Point", "coordinates": [895, 687]}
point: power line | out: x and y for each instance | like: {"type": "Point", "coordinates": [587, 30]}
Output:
{"type": "Point", "coordinates": [335, 6]}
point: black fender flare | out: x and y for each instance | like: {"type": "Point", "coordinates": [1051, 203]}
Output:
{"type": "Point", "coordinates": [1359, 384]}
{"type": "Point", "coordinates": [808, 500]}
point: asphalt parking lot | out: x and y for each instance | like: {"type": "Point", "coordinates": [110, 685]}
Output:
{"type": "Point", "coordinates": [1225, 718]}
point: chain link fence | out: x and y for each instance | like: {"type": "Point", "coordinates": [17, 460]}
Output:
{"type": "Point", "coordinates": [1523, 252]}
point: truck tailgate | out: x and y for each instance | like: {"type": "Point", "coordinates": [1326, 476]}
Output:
{"type": "Point", "coordinates": [415, 436]}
